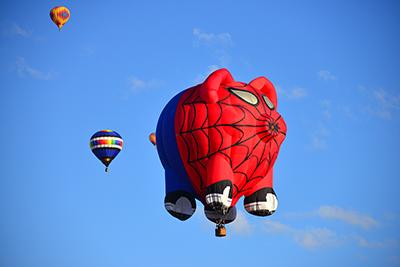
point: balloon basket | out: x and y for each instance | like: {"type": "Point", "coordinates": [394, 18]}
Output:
{"type": "Point", "coordinates": [220, 231]}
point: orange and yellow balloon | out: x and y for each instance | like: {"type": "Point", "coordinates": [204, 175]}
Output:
{"type": "Point", "coordinates": [59, 15]}
{"type": "Point", "coordinates": [152, 138]}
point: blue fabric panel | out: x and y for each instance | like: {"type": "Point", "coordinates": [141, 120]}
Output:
{"type": "Point", "coordinates": [101, 134]}
{"type": "Point", "coordinates": [106, 153]}
{"type": "Point", "coordinates": [176, 177]}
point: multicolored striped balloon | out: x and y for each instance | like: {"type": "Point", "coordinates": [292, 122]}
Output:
{"type": "Point", "coordinates": [60, 15]}
{"type": "Point", "coordinates": [105, 145]}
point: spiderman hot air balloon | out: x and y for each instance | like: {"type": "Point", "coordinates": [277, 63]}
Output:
{"type": "Point", "coordinates": [218, 141]}
{"type": "Point", "coordinates": [106, 145]}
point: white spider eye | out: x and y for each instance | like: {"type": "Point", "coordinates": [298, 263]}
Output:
{"type": "Point", "coordinates": [268, 102]}
{"type": "Point", "coordinates": [245, 96]}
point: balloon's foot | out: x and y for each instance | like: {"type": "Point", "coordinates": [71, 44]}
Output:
{"type": "Point", "coordinates": [220, 230]}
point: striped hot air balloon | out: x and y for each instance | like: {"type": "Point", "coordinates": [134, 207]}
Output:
{"type": "Point", "coordinates": [60, 15]}
{"type": "Point", "coordinates": [105, 145]}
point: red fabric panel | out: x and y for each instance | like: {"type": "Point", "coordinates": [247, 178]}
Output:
{"type": "Point", "coordinates": [220, 136]}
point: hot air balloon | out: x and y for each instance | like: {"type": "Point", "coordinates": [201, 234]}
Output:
{"type": "Point", "coordinates": [59, 15]}
{"type": "Point", "coordinates": [152, 138]}
{"type": "Point", "coordinates": [105, 145]}
{"type": "Point", "coordinates": [218, 141]}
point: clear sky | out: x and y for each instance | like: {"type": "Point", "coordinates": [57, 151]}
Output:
{"type": "Point", "coordinates": [115, 65]}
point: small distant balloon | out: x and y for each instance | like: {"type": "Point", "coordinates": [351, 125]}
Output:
{"type": "Point", "coordinates": [152, 138]}
{"type": "Point", "coordinates": [105, 145]}
{"type": "Point", "coordinates": [60, 15]}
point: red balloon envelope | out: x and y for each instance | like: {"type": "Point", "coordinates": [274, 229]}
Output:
{"type": "Point", "coordinates": [218, 141]}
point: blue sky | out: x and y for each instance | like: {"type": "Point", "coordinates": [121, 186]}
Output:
{"type": "Point", "coordinates": [116, 64]}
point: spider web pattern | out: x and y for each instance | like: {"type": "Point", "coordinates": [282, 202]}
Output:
{"type": "Point", "coordinates": [246, 137]}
